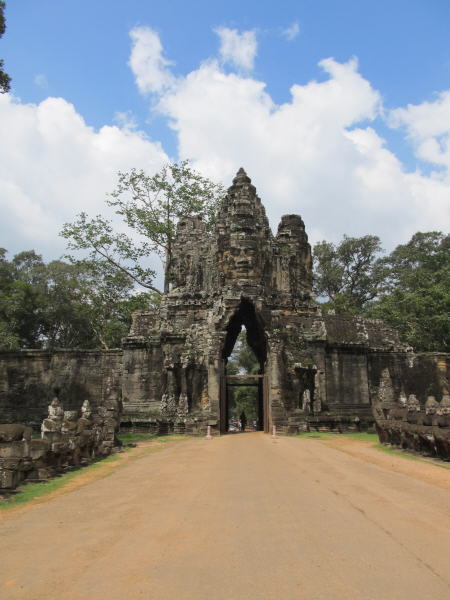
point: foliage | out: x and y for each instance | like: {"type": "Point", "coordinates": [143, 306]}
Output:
{"type": "Point", "coordinates": [415, 297]}
{"type": "Point", "coordinates": [80, 305]}
{"type": "Point", "coordinates": [150, 206]}
{"type": "Point", "coordinates": [5, 79]}
{"type": "Point", "coordinates": [408, 289]}
{"type": "Point", "coordinates": [360, 436]}
{"type": "Point", "coordinates": [243, 361]}
{"type": "Point", "coordinates": [131, 438]}
{"type": "Point", "coordinates": [348, 274]}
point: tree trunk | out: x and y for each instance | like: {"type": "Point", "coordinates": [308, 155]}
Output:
{"type": "Point", "coordinates": [167, 265]}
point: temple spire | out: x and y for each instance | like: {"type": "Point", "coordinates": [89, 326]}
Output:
{"type": "Point", "coordinates": [241, 177]}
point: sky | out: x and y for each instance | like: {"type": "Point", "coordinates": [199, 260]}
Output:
{"type": "Point", "coordinates": [338, 110]}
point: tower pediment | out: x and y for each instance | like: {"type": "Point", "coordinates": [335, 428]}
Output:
{"type": "Point", "coordinates": [241, 253]}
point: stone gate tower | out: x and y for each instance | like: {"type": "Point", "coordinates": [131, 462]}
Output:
{"type": "Point", "coordinates": [312, 367]}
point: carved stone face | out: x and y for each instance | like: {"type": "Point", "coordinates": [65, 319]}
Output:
{"type": "Point", "coordinates": [413, 404]}
{"type": "Point", "coordinates": [431, 405]}
{"type": "Point", "coordinates": [244, 258]}
{"type": "Point", "coordinates": [70, 415]}
{"type": "Point", "coordinates": [55, 411]}
{"type": "Point", "coordinates": [445, 405]}
{"type": "Point", "coordinates": [241, 258]}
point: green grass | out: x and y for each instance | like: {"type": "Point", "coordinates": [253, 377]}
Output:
{"type": "Point", "coordinates": [29, 491]}
{"type": "Point", "coordinates": [410, 456]}
{"type": "Point", "coordinates": [399, 452]}
{"type": "Point", "coordinates": [328, 435]}
{"type": "Point", "coordinates": [373, 437]}
{"type": "Point", "coordinates": [131, 438]}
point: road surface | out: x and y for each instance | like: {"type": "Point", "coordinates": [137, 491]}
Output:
{"type": "Point", "coordinates": [238, 517]}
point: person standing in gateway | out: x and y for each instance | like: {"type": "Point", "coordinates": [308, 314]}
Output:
{"type": "Point", "coordinates": [243, 420]}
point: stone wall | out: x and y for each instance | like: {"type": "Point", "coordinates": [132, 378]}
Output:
{"type": "Point", "coordinates": [411, 402]}
{"type": "Point", "coordinates": [68, 439]}
{"type": "Point", "coordinates": [423, 374]}
{"type": "Point", "coordinates": [30, 378]}
{"type": "Point", "coordinates": [316, 371]}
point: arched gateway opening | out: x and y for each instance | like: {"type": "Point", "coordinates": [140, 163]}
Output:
{"type": "Point", "coordinates": [245, 316]}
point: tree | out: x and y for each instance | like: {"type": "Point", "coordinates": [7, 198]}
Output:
{"type": "Point", "coordinates": [21, 301]}
{"type": "Point", "coordinates": [415, 296]}
{"type": "Point", "coordinates": [59, 304]}
{"type": "Point", "coordinates": [5, 79]}
{"type": "Point", "coordinates": [101, 295]}
{"type": "Point", "coordinates": [348, 274]}
{"type": "Point", "coordinates": [243, 361]}
{"type": "Point", "coordinates": [150, 207]}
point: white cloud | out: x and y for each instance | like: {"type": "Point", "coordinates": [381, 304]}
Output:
{"type": "Point", "coordinates": [147, 62]}
{"type": "Point", "coordinates": [318, 155]}
{"type": "Point", "coordinates": [237, 49]}
{"type": "Point", "coordinates": [53, 166]}
{"type": "Point", "coordinates": [125, 120]}
{"type": "Point", "coordinates": [291, 32]}
{"type": "Point", "coordinates": [41, 80]}
{"type": "Point", "coordinates": [428, 127]}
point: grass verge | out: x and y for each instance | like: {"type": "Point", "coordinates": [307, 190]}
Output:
{"type": "Point", "coordinates": [373, 438]}
{"type": "Point", "coordinates": [29, 491]}
{"type": "Point", "coordinates": [325, 435]}
{"type": "Point", "coordinates": [132, 438]}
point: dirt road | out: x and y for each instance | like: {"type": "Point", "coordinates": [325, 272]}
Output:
{"type": "Point", "coordinates": [238, 517]}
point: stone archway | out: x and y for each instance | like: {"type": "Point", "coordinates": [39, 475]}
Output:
{"type": "Point", "coordinates": [241, 274]}
{"type": "Point", "coordinates": [246, 316]}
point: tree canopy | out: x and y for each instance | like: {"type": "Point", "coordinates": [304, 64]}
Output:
{"type": "Point", "coordinates": [243, 361]}
{"type": "Point", "coordinates": [87, 303]}
{"type": "Point", "coordinates": [409, 289]}
{"type": "Point", "coordinates": [348, 274]}
{"type": "Point", "coordinates": [81, 305]}
{"type": "Point", "coordinates": [415, 295]}
{"type": "Point", "coordinates": [5, 79]}
{"type": "Point", "coordinates": [150, 207]}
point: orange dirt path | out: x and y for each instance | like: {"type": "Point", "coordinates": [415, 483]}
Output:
{"type": "Point", "coordinates": [238, 517]}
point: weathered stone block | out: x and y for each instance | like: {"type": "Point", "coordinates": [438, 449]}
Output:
{"type": "Point", "coordinates": [9, 479]}
{"type": "Point", "coordinates": [14, 449]}
{"type": "Point", "coordinates": [11, 433]}
{"type": "Point", "coordinates": [39, 448]}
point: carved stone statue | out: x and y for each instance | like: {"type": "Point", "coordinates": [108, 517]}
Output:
{"type": "Point", "coordinates": [86, 410]}
{"type": "Point", "coordinates": [431, 406]}
{"type": "Point", "coordinates": [306, 401]}
{"type": "Point", "coordinates": [168, 400]}
{"type": "Point", "coordinates": [53, 423]}
{"type": "Point", "coordinates": [55, 410]}
{"type": "Point", "coordinates": [183, 407]}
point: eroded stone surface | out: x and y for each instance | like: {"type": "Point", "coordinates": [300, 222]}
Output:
{"type": "Point", "coordinates": [67, 440]}
{"type": "Point", "coordinates": [419, 422]}
{"type": "Point", "coordinates": [317, 371]}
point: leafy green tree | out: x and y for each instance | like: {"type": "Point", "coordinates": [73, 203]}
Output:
{"type": "Point", "coordinates": [5, 79]}
{"type": "Point", "coordinates": [80, 305]}
{"type": "Point", "coordinates": [415, 297]}
{"type": "Point", "coordinates": [21, 302]}
{"type": "Point", "coordinates": [106, 295]}
{"type": "Point", "coordinates": [150, 207]}
{"type": "Point", "coordinates": [348, 275]}
{"type": "Point", "coordinates": [243, 361]}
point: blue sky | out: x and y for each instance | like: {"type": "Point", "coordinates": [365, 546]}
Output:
{"type": "Point", "coordinates": [362, 145]}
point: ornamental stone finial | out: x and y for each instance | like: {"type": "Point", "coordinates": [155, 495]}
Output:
{"type": "Point", "coordinates": [241, 177]}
